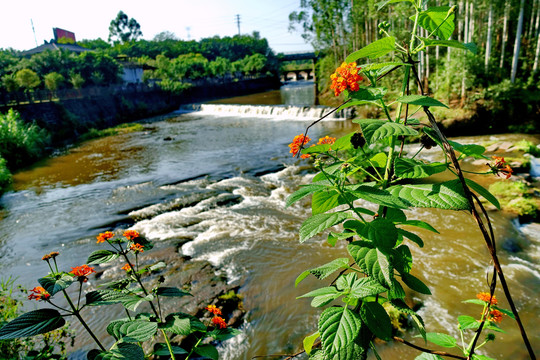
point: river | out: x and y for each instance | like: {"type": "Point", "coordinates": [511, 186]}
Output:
{"type": "Point", "coordinates": [219, 177]}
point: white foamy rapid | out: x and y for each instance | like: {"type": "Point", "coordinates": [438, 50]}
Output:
{"type": "Point", "coordinates": [276, 112]}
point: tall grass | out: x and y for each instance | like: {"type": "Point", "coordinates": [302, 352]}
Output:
{"type": "Point", "coordinates": [20, 143]}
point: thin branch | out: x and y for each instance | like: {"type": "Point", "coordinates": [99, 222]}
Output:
{"type": "Point", "coordinates": [440, 353]}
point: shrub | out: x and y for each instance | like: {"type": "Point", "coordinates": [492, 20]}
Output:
{"type": "Point", "coordinates": [5, 176]}
{"type": "Point", "coordinates": [20, 143]}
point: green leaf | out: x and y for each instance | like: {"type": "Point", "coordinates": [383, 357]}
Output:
{"type": "Point", "coordinates": [396, 290]}
{"type": "Point", "coordinates": [403, 259]}
{"type": "Point", "coordinates": [101, 257]}
{"type": "Point", "coordinates": [376, 319]}
{"type": "Point", "coordinates": [207, 351]}
{"type": "Point", "coordinates": [371, 261]}
{"type": "Point", "coordinates": [378, 196]}
{"type": "Point", "coordinates": [342, 143]}
{"type": "Point", "coordinates": [377, 66]}
{"type": "Point", "coordinates": [417, 319]}
{"type": "Point", "coordinates": [161, 349]}
{"type": "Point", "coordinates": [338, 327]}
{"type": "Point", "coordinates": [506, 312]}
{"type": "Point", "coordinates": [426, 356]}
{"type": "Point", "coordinates": [374, 50]}
{"type": "Point", "coordinates": [467, 322]}
{"type": "Point", "coordinates": [223, 334]}
{"type": "Point", "coordinates": [113, 328]}
{"type": "Point", "coordinates": [483, 192]}
{"type": "Point", "coordinates": [415, 284]}
{"type": "Point", "coordinates": [134, 302]}
{"type": "Point", "coordinates": [420, 100]}
{"type": "Point", "coordinates": [421, 224]}
{"type": "Point", "coordinates": [122, 351]}
{"type": "Point", "coordinates": [411, 236]}
{"type": "Point", "coordinates": [375, 130]}
{"type": "Point", "coordinates": [369, 93]}
{"type": "Point", "coordinates": [303, 192]}
{"type": "Point", "coordinates": [416, 169]}
{"type": "Point", "coordinates": [435, 20]}
{"type": "Point", "coordinates": [182, 324]}
{"type": "Point", "coordinates": [317, 223]}
{"type": "Point", "coordinates": [171, 291]}
{"type": "Point", "coordinates": [379, 160]}
{"type": "Point", "coordinates": [364, 287]}
{"type": "Point", "coordinates": [473, 150]}
{"type": "Point", "coordinates": [309, 341]}
{"type": "Point", "coordinates": [138, 330]}
{"type": "Point", "coordinates": [107, 297]}
{"type": "Point", "coordinates": [481, 357]}
{"type": "Point", "coordinates": [447, 195]}
{"type": "Point", "coordinates": [325, 200]}
{"type": "Point", "coordinates": [322, 296]}
{"type": "Point", "coordinates": [32, 323]}
{"type": "Point", "coordinates": [323, 271]}
{"type": "Point", "coordinates": [53, 285]}
{"type": "Point", "coordinates": [475, 301]}
{"type": "Point", "coordinates": [451, 43]}
{"type": "Point", "coordinates": [441, 340]}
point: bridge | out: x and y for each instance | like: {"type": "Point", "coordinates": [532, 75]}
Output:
{"type": "Point", "coordinates": [305, 73]}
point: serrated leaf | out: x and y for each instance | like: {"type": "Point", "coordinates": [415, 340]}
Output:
{"type": "Point", "coordinates": [396, 290]}
{"type": "Point", "coordinates": [426, 356]}
{"type": "Point", "coordinates": [157, 266]}
{"type": "Point", "coordinates": [467, 322]}
{"type": "Point", "coordinates": [162, 350]}
{"type": "Point", "coordinates": [473, 150]}
{"type": "Point", "coordinates": [376, 319]}
{"type": "Point", "coordinates": [371, 261]}
{"type": "Point", "coordinates": [483, 192]}
{"type": "Point", "coordinates": [107, 297]}
{"type": "Point", "coordinates": [438, 20]}
{"type": "Point", "coordinates": [182, 324]}
{"type": "Point", "coordinates": [338, 327]}
{"type": "Point", "coordinates": [207, 351]}
{"type": "Point", "coordinates": [420, 100]}
{"type": "Point", "coordinates": [303, 192]}
{"type": "Point", "coordinates": [441, 340]}
{"type": "Point", "coordinates": [320, 222]}
{"type": "Point", "coordinates": [411, 236]}
{"type": "Point", "coordinates": [101, 257]}
{"type": "Point", "coordinates": [403, 259]}
{"type": "Point", "coordinates": [309, 341]}
{"type": "Point", "coordinates": [451, 43]}
{"type": "Point", "coordinates": [171, 291]}
{"type": "Point", "coordinates": [374, 50]}
{"type": "Point", "coordinates": [481, 357]}
{"type": "Point", "coordinates": [364, 287]}
{"type": "Point", "coordinates": [113, 328]}
{"type": "Point", "coordinates": [416, 169]}
{"type": "Point", "coordinates": [301, 277]}
{"type": "Point", "coordinates": [382, 232]}
{"type": "Point", "coordinates": [32, 323]}
{"type": "Point", "coordinates": [368, 93]}
{"type": "Point", "coordinates": [378, 196]}
{"type": "Point", "coordinates": [138, 330]}
{"type": "Point", "coordinates": [323, 296]}
{"type": "Point", "coordinates": [53, 285]}
{"type": "Point", "coordinates": [475, 301]}
{"type": "Point", "coordinates": [415, 284]}
{"type": "Point", "coordinates": [375, 130]}
{"type": "Point", "coordinates": [122, 351]}
{"type": "Point", "coordinates": [324, 200]}
{"type": "Point", "coordinates": [323, 271]}
{"type": "Point", "coordinates": [223, 334]}
{"type": "Point", "coordinates": [377, 66]}
{"type": "Point", "coordinates": [447, 195]}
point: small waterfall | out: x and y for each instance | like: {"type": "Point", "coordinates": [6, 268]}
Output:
{"type": "Point", "coordinates": [535, 167]}
{"type": "Point", "coordinates": [287, 112]}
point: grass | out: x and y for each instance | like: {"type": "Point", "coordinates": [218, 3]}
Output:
{"type": "Point", "coordinates": [516, 197]}
{"type": "Point", "coordinates": [120, 129]}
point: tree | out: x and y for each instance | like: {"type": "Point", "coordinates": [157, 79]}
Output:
{"type": "Point", "coordinates": [124, 29]}
{"type": "Point", "coordinates": [165, 35]}
{"type": "Point", "coordinates": [27, 79]}
{"type": "Point", "coordinates": [76, 80]}
{"type": "Point", "coordinates": [517, 43]}
{"type": "Point", "coordinates": [53, 81]}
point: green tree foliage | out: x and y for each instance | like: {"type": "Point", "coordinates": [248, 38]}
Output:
{"type": "Point", "coordinates": [220, 66]}
{"type": "Point", "coordinates": [53, 81]}
{"type": "Point", "coordinates": [97, 44]}
{"type": "Point", "coordinates": [10, 83]}
{"type": "Point", "coordinates": [90, 62]}
{"type": "Point", "coordinates": [124, 29]}
{"type": "Point", "coordinates": [20, 143]}
{"type": "Point", "coordinates": [27, 79]}
{"type": "Point", "coordinates": [76, 80]}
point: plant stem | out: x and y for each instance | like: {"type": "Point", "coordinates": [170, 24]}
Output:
{"type": "Point", "coordinates": [169, 344]}
{"type": "Point", "coordinates": [193, 348]}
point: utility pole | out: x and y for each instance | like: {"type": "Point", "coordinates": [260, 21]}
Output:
{"type": "Point", "coordinates": [34, 31]}
{"type": "Point", "coordinates": [238, 22]}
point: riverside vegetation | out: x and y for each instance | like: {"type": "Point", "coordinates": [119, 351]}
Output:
{"type": "Point", "coordinates": [374, 223]}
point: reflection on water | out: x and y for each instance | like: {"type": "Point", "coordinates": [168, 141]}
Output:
{"type": "Point", "coordinates": [221, 182]}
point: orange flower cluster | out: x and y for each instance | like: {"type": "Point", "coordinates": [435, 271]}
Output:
{"type": "Point", "coordinates": [298, 141]}
{"type": "Point", "coordinates": [82, 272]}
{"type": "Point", "coordinates": [39, 293]}
{"type": "Point", "coordinates": [499, 166]}
{"type": "Point", "coordinates": [213, 309]}
{"type": "Point", "coordinates": [495, 315]}
{"type": "Point", "coordinates": [326, 140]}
{"type": "Point", "coordinates": [104, 236]}
{"type": "Point", "coordinates": [51, 255]}
{"type": "Point", "coordinates": [219, 322]}
{"type": "Point", "coordinates": [131, 234]}
{"type": "Point", "coordinates": [126, 267]}
{"type": "Point", "coordinates": [484, 296]}
{"type": "Point", "coordinates": [137, 248]}
{"type": "Point", "coordinates": [345, 77]}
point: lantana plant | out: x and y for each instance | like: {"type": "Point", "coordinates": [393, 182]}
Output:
{"type": "Point", "coordinates": [133, 335]}
{"type": "Point", "coordinates": [372, 215]}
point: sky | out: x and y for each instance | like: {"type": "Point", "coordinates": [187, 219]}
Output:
{"type": "Point", "coordinates": [187, 19]}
